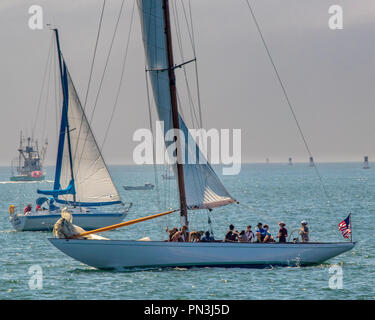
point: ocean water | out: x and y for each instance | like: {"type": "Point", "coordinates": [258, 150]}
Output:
{"type": "Point", "coordinates": [272, 192]}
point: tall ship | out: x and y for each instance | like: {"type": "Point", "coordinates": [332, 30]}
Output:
{"type": "Point", "coordinates": [28, 166]}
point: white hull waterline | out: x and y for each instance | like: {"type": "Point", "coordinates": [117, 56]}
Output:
{"type": "Point", "coordinates": [118, 254]}
{"type": "Point", "coordinates": [45, 222]}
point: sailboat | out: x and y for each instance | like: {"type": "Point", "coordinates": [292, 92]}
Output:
{"type": "Point", "coordinates": [365, 163]}
{"type": "Point", "coordinates": [311, 162]}
{"type": "Point", "coordinates": [198, 185]}
{"type": "Point", "coordinates": [82, 182]}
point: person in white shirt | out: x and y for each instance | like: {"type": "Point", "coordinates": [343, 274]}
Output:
{"type": "Point", "coordinates": [249, 234]}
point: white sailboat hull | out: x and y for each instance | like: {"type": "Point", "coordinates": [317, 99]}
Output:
{"type": "Point", "coordinates": [118, 254]}
{"type": "Point", "coordinates": [45, 222]}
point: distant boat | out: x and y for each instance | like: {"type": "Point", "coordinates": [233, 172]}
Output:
{"type": "Point", "coordinates": [82, 182]}
{"type": "Point", "coordinates": [365, 163]}
{"type": "Point", "coordinates": [198, 187]}
{"type": "Point", "coordinates": [311, 164]}
{"type": "Point", "coordinates": [147, 186]}
{"type": "Point", "coordinates": [29, 164]}
{"type": "Point", "coordinates": [168, 177]}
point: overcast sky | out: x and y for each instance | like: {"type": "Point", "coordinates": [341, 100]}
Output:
{"type": "Point", "coordinates": [328, 74]}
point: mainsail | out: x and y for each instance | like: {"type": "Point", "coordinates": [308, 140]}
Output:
{"type": "Point", "coordinates": [92, 180]}
{"type": "Point", "coordinates": [203, 188]}
{"type": "Point", "coordinates": [81, 176]}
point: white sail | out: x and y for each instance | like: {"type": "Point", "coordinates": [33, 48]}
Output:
{"type": "Point", "coordinates": [202, 186]}
{"type": "Point", "coordinates": [92, 181]}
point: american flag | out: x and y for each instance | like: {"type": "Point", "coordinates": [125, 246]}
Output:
{"type": "Point", "coordinates": [345, 227]}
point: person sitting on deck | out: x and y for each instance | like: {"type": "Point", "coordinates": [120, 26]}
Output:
{"type": "Point", "coordinates": [260, 232]}
{"type": "Point", "coordinates": [283, 232]}
{"type": "Point", "coordinates": [243, 237]}
{"type": "Point", "coordinates": [195, 236]}
{"type": "Point", "coordinates": [171, 233]}
{"type": "Point", "coordinates": [207, 237]}
{"type": "Point", "coordinates": [27, 209]}
{"type": "Point", "coordinates": [268, 237]}
{"type": "Point", "coordinates": [249, 234]}
{"type": "Point", "coordinates": [231, 236]}
{"type": "Point", "coordinates": [177, 237]}
{"type": "Point", "coordinates": [304, 232]}
{"type": "Point", "coordinates": [185, 234]}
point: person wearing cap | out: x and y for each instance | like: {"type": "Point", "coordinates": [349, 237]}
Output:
{"type": "Point", "coordinates": [260, 232]}
{"type": "Point", "coordinates": [283, 232]}
{"type": "Point", "coordinates": [304, 231]}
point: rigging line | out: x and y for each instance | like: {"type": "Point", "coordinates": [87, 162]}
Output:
{"type": "Point", "coordinates": [178, 34]}
{"type": "Point", "coordinates": [196, 62]}
{"type": "Point", "coordinates": [256, 211]}
{"type": "Point", "coordinates": [106, 63]}
{"type": "Point", "coordinates": [121, 78]}
{"type": "Point", "coordinates": [41, 90]}
{"type": "Point", "coordinates": [100, 85]}
{"type": "Point", "coordinates": [91, 71]}
{"type": "Point", "coordinates": [152, 132]}
{"type": "Point", "coordinates": [189, 27]}
{"type": "Point", "coordinates": [192, 39]}
{"type": "Point", "coordinates": [95, 50]}
{"type": "Point", "coordinates": [47, 97]}
{"type": "Point", "coordinates": [288, 101]}
{"type": "Point", "coordinates": [179, 41]}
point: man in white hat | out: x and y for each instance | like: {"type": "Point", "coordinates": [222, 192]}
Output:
{"type": "Point", "coordinates": [304, 231]}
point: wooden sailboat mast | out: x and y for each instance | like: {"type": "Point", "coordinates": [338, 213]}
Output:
{"type": "Point", "coordinates": [175, 115]}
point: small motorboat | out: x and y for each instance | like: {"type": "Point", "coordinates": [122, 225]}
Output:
{"type": "Point", "coordinates": [147, 186]}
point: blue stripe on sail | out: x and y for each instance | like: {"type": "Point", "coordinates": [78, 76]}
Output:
{"type": "Point", "coordinates": [63, 127]}
{"type": "Point", "coordinates": [88, 204]}
{"type": "Point", "coordinates": [69, 190]}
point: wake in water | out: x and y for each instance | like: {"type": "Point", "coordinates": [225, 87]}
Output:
{"type": "Point", "coordinates": [11, 182]}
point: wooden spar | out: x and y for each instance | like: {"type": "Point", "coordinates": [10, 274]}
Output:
{"type": "Point", "coordinates": [175, 115]}
{"type": "Point", "coordinates": [122, 224]}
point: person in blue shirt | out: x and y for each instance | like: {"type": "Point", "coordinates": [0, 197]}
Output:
{"type": "Point", "coordinates": [260, 232]}
{"type": "Point", "coordinates": [268, 237]}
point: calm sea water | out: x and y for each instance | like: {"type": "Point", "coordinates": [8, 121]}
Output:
{"type": "Point", "coordinates": [276, 191]}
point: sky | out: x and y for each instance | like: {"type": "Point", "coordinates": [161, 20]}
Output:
{"type": "Point", "coordinates": [329, 75]}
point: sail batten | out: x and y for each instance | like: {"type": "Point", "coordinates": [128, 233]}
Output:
{"type": "Point", "coordinates": [203, 188]}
